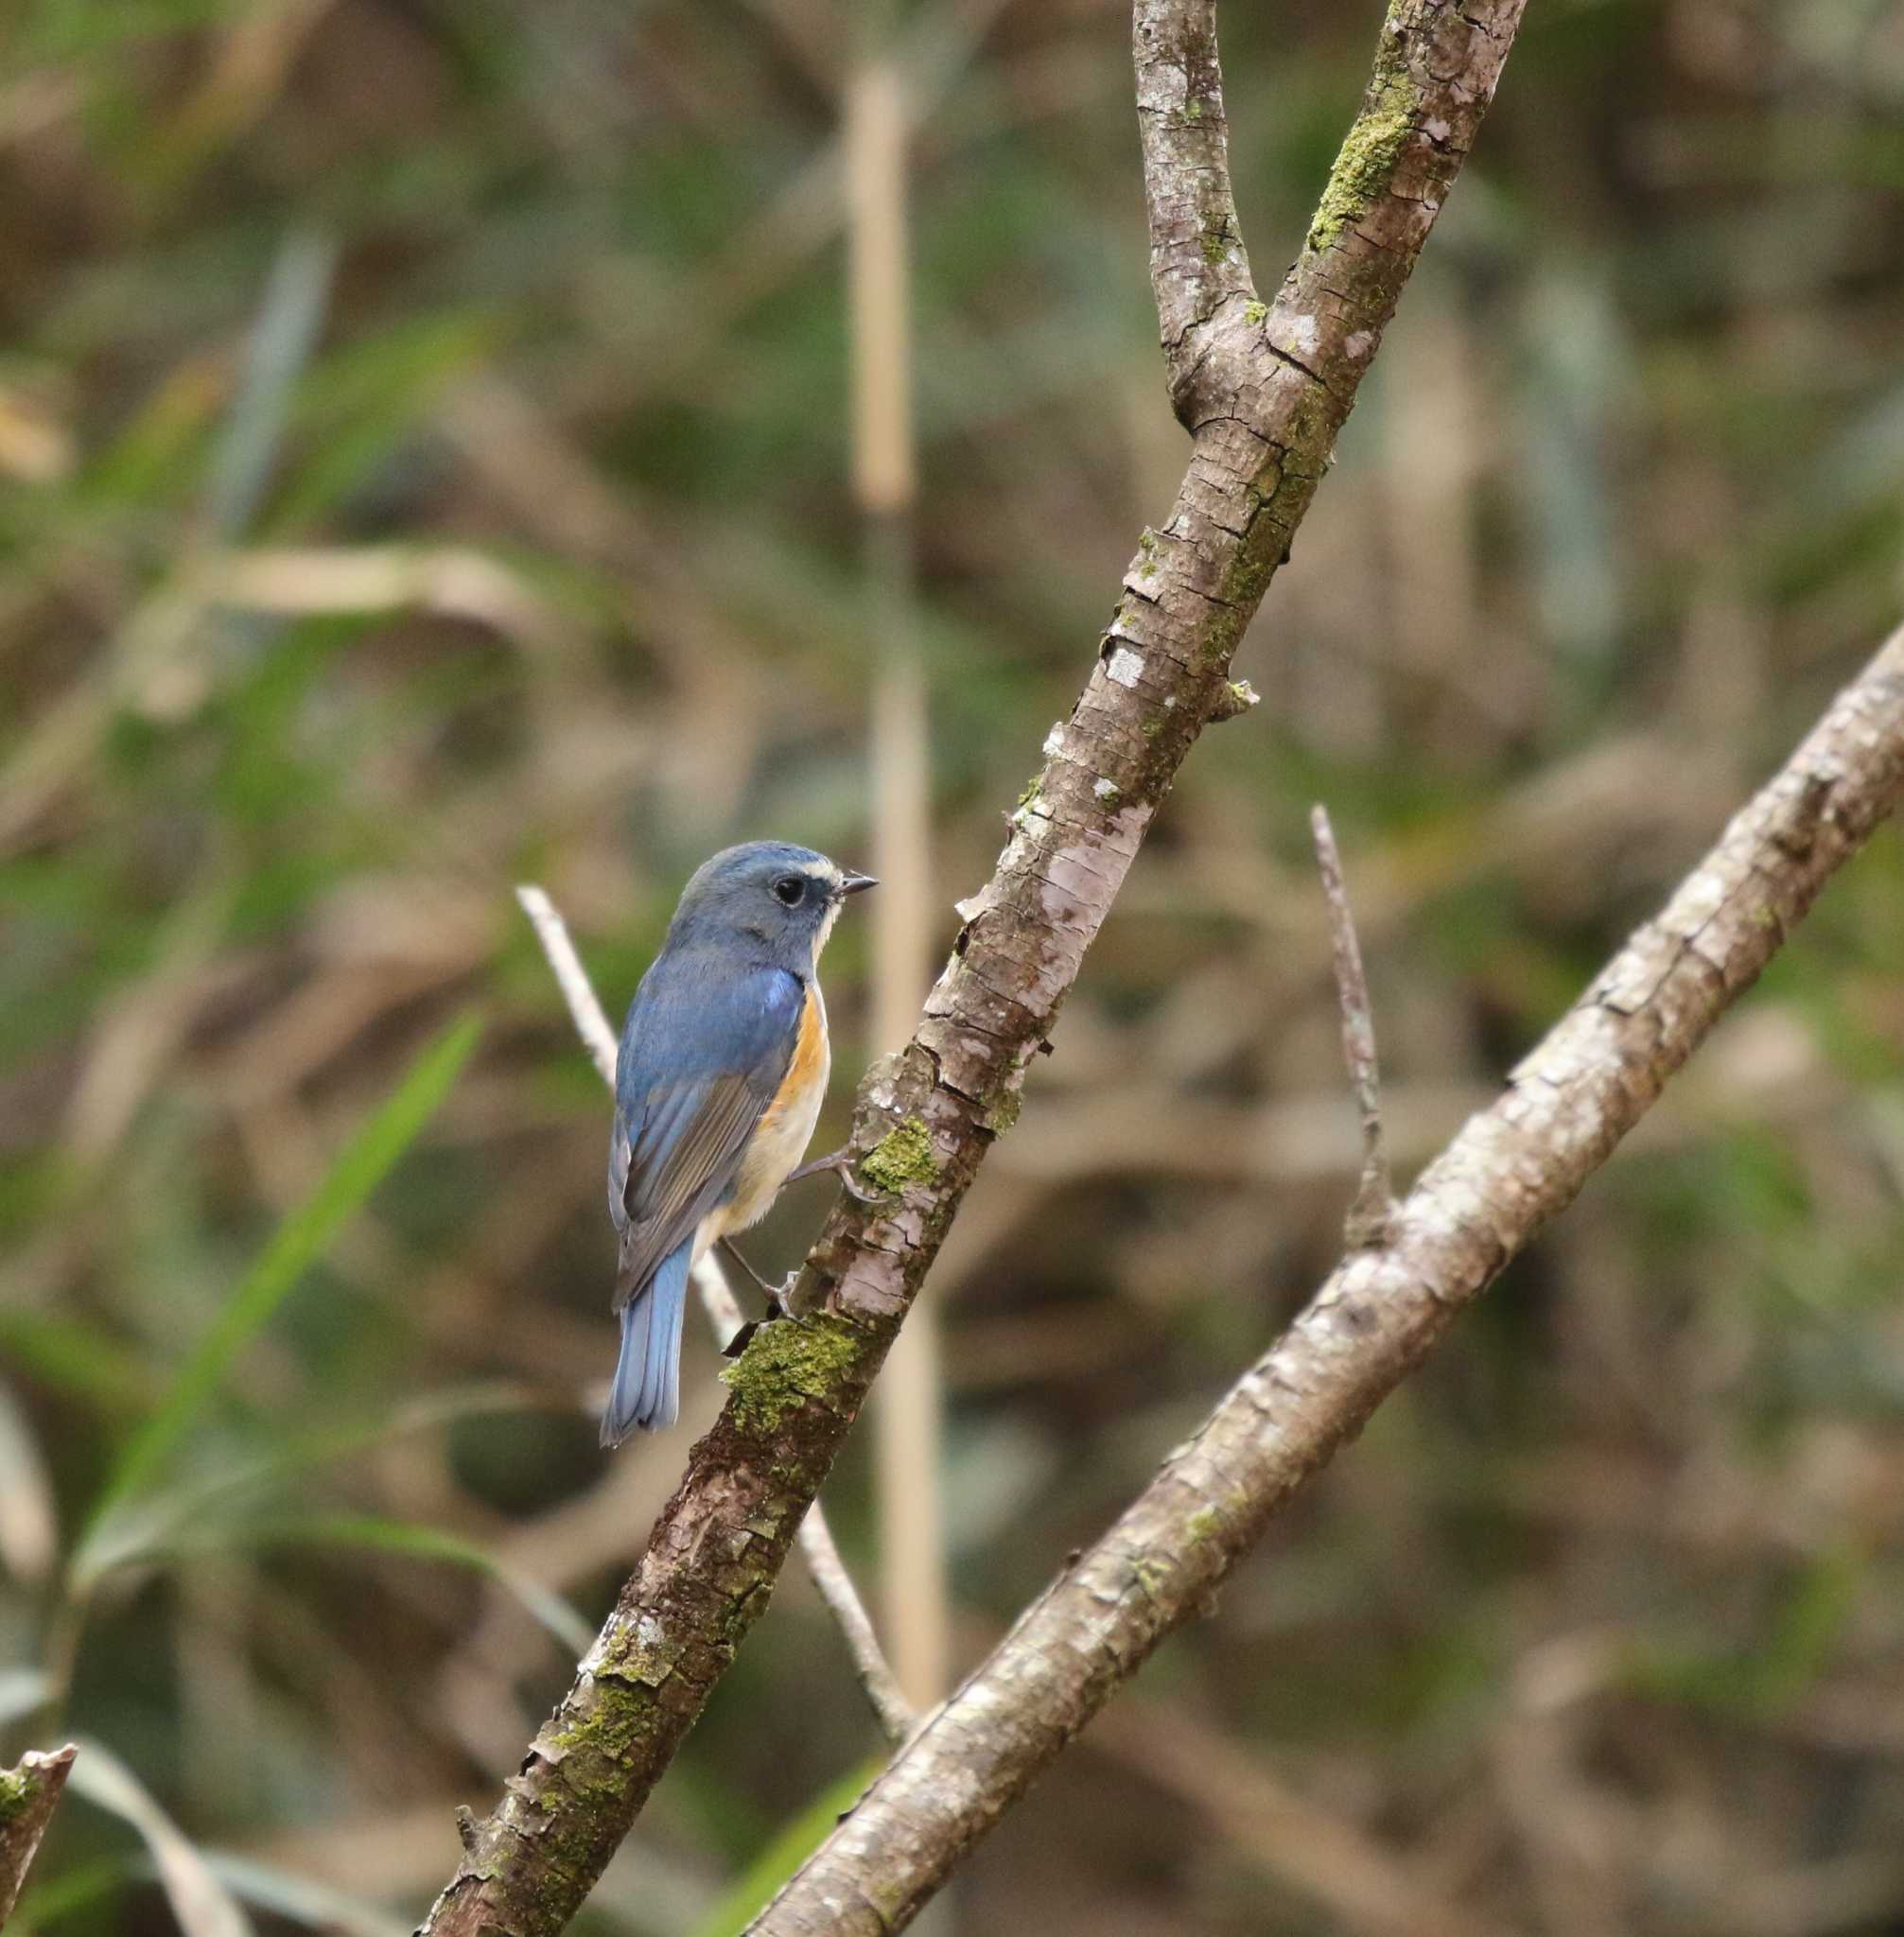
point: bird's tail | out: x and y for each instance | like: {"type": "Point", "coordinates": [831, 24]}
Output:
{"type": "Point", "coordinates": [647, 1387]}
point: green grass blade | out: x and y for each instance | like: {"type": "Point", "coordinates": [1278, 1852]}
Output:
{"type": "Point", "coordinates": [379, 1535]}
{"type": "Point", "coordinates": [757, 1884]}
{"type": "Point", "coordinates": [151, 1524]}
{"type": "Point", "coordinates": [366, 1160]}
{"type": "Point", "coordinates": [76, 1357]}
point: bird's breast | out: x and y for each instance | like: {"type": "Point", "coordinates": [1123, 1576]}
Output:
{"type": "Point", "coordinates": [786, 1127]}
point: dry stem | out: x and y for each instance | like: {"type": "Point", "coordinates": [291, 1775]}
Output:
{"type": "Point", "coordinates": [1372, 1216]}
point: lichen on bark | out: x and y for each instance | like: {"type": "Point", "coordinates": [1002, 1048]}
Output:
{"type": "Point", "coordinates": [1511, 1169]}
{"type": "Point", "coordinates": [904, 1156]}
{"type": "Point", "coordinates": [791, 1363]}
{"type": "Point", "coordinates": [1365, 165]}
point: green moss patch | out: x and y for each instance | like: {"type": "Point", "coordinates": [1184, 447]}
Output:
{"type": "Point", "coordinates": [1367, 164]}
{"type": "Point", "coordinates": [789, 1363]}
{"type": "Point", "coordinates": [904, 1156]}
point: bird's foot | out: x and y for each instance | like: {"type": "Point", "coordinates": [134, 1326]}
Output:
{"type": "Point", "coordinates": [841, 1162]}
{"type": "Point", "coordinates": [777, 1309]}
{"type": "Point", "coordinates": [775, 1295]}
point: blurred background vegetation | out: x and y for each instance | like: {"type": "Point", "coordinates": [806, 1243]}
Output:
{"type": "Point", "coordinates": [423, 467]}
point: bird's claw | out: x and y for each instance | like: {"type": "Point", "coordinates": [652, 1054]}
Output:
{"type": "Point", "coordinates": [775, 1295]}
{"type": "Point", "coordinates": [777, 1310]}
{"type": "Point", "coordinates": [841, 1163]}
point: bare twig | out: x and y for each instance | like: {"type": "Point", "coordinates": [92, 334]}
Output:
{"type": "Point", "coordinates": [821, 1553]}
{"type": "Point", "coordinates": [1197, 262]}
{"type": "Point", "coordinates": [28, 1796]}
{"type": "Point", "coordinates": [1510, 1170]}
{"type": "Point", "coordinates": [584, 1006]}
{"type": "Point", "coordinates": [1264, 390]}
{"type": "Point", "coordinates": [1372, 1216]}
{"type": "Point", "coordinates": [817, 1547]}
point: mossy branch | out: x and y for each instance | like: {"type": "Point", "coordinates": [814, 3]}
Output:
{"type": "Point", "coordinates": [28, 1795]}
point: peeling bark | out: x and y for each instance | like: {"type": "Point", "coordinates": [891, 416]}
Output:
{"type": "Point", "coordinates": [1263, 390]}
{"type": "Point", "coordinates": [1510, 1170]}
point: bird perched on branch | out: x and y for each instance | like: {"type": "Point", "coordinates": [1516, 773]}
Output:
{"type": "Point", "coordinates": [718, 1084]}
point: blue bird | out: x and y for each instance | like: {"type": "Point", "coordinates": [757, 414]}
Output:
{"type": "Point", "coordinates": [718, 1084]}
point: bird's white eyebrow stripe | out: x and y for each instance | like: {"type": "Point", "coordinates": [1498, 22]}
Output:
{"type": "Point", "coordinates": [820, 870]}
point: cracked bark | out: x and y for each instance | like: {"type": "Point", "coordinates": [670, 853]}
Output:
{"type": "Point", "coordinates": [1263, 390]}
{"type": "Point", "coordinates": [1510, 1170]}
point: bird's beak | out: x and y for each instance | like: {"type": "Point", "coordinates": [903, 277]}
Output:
{"type": "Point", "coordinates": [855, 883]}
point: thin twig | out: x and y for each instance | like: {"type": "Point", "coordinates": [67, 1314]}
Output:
{"type": "Point", "coordinates": [829, 1570]}
{"type": "Point", "coordinates": [1372, 1216]}
{"type": "Point", "coordinates": [591, 1024]}
{"type": "Point", "coordinates": [817, 1547]}
{"type": "Point", "coordinates": [28, 1796]}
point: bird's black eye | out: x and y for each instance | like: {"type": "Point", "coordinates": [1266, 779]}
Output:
{"type": "Point", "coordinates": [789, 889]}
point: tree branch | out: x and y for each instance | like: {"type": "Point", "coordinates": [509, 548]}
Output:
{"type": "Point", "coordinates": [1263, 392]}
{"type": "Point", "coordinates": [1197, 262]}
{"type": "Point", "coordinates": [818, 1547]}
{"type": "Point", "coordinates": [28, 1796]}
{"type": "Point", "coordinates": [1510, 1170]}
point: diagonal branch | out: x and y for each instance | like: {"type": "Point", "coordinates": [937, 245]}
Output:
{"type": "Point", "coordinates": [1510, 1170]}
{"type": "Point", "coordinates": [1263, 394]}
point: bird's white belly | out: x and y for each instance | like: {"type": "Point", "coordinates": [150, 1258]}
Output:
{"type": "Point", "coordinates": [777, 1147]}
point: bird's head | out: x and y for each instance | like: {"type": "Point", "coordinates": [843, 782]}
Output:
{"type": "Point", "coordinates": [767, 893]}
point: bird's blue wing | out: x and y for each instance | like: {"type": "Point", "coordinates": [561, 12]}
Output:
{"type": "Point", "coordinates": [704, 1053]}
